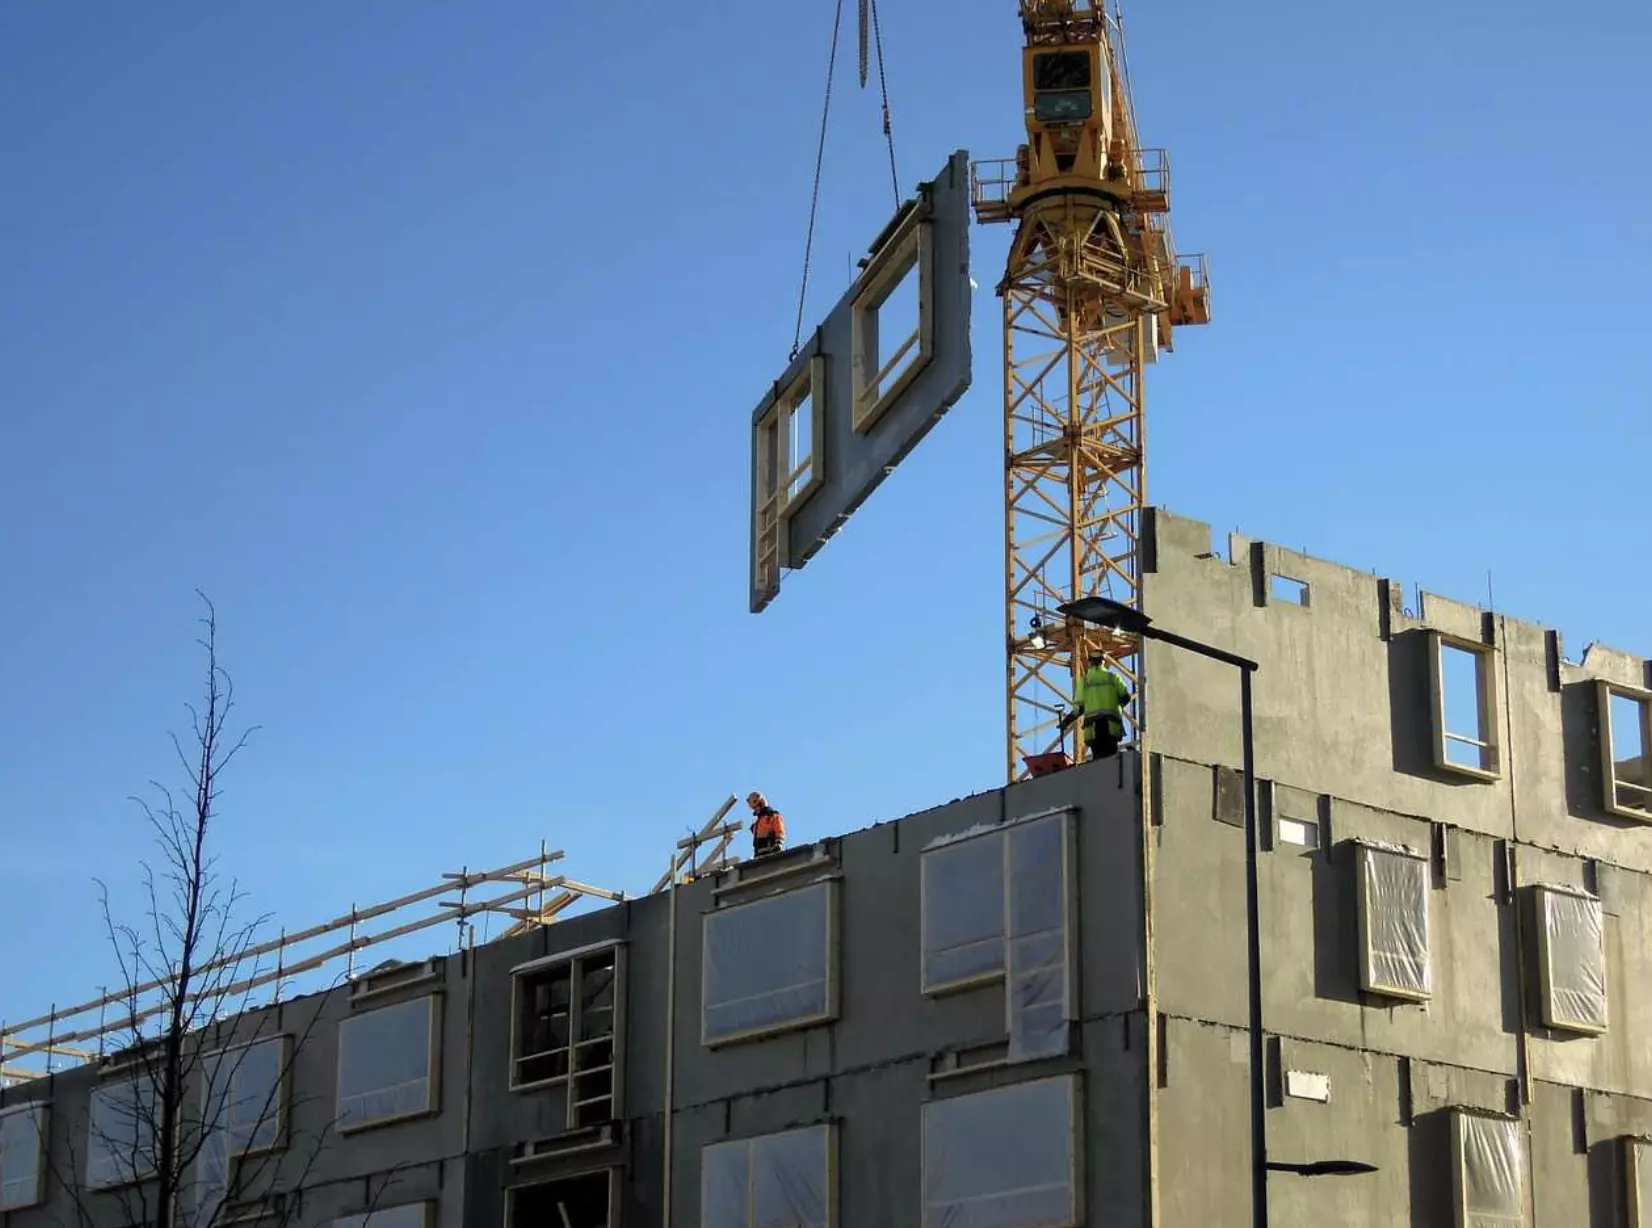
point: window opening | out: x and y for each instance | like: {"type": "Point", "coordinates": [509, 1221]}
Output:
{"type": "Point", "coordinates": [774, 1181]}
{"type": "Point", "coordinates": [1394, 923]}
{"type": "Point", "coordinates": [566, 1026]}
{"type": "Point", "coordinates": [893, 333]}
{"type": "Point", "coordinates": [242, 1104]}
{"type": "Point", "coordinates": [1571, 954]}
{"type": "Point", "coordinates": [22, 1131]}
{"type": "Point", "coordinates": [1061, 87]}
{"type": "Point", "coordinates": [1003, 1158]}
{"type": "Point", "coordinates": [1289, 591]}
{"type": "Point", "coordinates": [1465, 707]}
{"type": "Point", "coordinates": [767, 966]}
{"type": "Point", "coordinates": [573, 1202]}
{"type": "Point", "coordinates": [387, 1063]}
{"type": "Point", "coordinates": [1626, 742]}
{"type": "Point", "coordinates": [1488, 1171]}
{"type": "Point", "coordinates": [120, 1133]}
{"type": "Point", "coordinates": [1637, 1169]}
{"type": "Point", "coordinates": [995, 907]}
{"type": "Point", "coordinates": [408, 1215]}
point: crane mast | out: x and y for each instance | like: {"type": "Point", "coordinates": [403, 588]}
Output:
{"type": "Point", "coordinates": [1092, 291]}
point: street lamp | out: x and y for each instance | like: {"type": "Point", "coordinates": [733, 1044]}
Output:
{"type": "Point", "coordinates": [1105, 613]}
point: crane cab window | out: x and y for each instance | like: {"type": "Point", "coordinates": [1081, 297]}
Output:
{"type": "Point", "coordinates": [1062, 87]}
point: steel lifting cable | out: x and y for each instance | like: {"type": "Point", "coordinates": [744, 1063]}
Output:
{"type": "Point", "coordinates": [883, 85]}
{"type": "Point", "coordinates": [814, 195]}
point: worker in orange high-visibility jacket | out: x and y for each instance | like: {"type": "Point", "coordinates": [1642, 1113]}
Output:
{"type": "Point", "coordinates": [768, 829]}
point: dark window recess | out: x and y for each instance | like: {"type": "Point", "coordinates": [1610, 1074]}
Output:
{"type": "Point", "coordinates": [1061, 87]}
{"type": "Point", "coordinates": [577, 1202]}
{"type": "Point", "coordinates": [593, 1100]}
{"type": "Point", "coordinates": [1062, 70]}
{"type": "Point", "coordinates": [543, 1026]}
{"type": "Point", "coordinates": [565, 1032]}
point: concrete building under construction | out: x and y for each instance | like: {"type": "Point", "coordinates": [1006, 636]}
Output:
{"type": "Point", "coordinates": [1030, 1008]}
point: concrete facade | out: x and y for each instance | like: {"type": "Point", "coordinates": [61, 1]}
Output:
{"type": "Point", "coordinates": [826, 1037]}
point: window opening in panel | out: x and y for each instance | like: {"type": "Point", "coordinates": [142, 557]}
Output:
{"type": "Point", "coordinates": [1005, 1158]}
{"type": "Point", "coordinates": [1571, 960]}
{"type": "Point", "coordinates": [1465, 712]}
{"type": "Point", "coordinates": [1637, 1171]}
{"type": "Point", "coordinates": [1394, 925]}
{"type": "Point", "coordinates": [1288, 591]}
{"type": "Point", "coordinates": [572, 1202]}
{"type": "Point", "coordinates": [566, 1030]}
{"type": "Point", "coordinates": [386, 1064]}
{"type": "Point", "coordinates": [768, 965]}
{"type": "Point", "coordinates": [1629, 764]}
{"type": "Point", "coordinates": [22, 1158]}
{"type": "Point", "coordinates": [892, 337]}
{"type": "Point", "coordinates": [1488, 1171]}
{"type": "Point", "coordinates": [407, 1215]}
{"type": "Point", "coordinates": [120, 1133]}
{"type": "Point", "coordinates": [772, 1181]}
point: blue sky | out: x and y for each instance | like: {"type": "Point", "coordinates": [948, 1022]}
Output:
{"type": "Point", "coordinates": [424, 338]}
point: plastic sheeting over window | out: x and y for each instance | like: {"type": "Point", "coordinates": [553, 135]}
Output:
{"type": "Point", "coordinates": [1002, 1159]}
{"type": "Point", "coordinates": [241, 1111]}
{"type": "Point", "coordinates": [1490, 1172]}
{"type": "Point", "coordinates": [1394, 924]}
{"type": "Point", "coordinates": [1572, 952]}
{"type": "Point", "coordinates": [995, 904]}
{"type": "Point", "coordinates": [384, 1063]}
{"type": "Point", "coordinates": [776, 1181]}
{"type": "Point", "coordinates": [120, 1133]}
{"type": "Point", "coordinates": [1037, 989]}
{"type": "Point", "coordinates": [408, 1215]}
{"type": "Point", "coordinates": [963, 917]}
{"type": "Point", "coordinates": [767, 964]}
{"type": "Point", "coordinates": [21, 1132]}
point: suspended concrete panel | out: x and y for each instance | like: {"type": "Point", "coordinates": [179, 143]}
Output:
{"type": "Point", "coordinates": [877, 374]}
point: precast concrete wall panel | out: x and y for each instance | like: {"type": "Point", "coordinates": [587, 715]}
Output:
{"type": "Point", "coordinates": [851, 456]}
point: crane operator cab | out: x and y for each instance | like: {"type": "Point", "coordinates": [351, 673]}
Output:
{"type": "Point", "coordinates": [1068, 113]}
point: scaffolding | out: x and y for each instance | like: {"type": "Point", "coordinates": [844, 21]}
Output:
{"type": "Point", "coordinates": [525, 891]}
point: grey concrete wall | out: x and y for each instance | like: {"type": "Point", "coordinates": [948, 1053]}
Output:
{"type": "Point", "coordinates": [868, 1071]}
{"type": "Point", "coordinates": [1344, 746]}
{"type": "Point", "coordinates": [1343, 701]}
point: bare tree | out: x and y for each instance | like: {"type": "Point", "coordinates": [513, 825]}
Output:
{"type": "Point", "coordinates": [195, 1110]}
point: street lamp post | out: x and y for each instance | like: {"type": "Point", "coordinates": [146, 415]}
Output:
{"type": "Point", "coordinates": [1107, 613]}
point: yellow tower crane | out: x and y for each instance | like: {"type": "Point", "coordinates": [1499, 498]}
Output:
{"type": "Point", "coordinates": [1092, 291]}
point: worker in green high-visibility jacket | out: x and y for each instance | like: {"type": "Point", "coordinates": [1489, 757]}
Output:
{"type": "Point", "coordinates": [1102, 694]}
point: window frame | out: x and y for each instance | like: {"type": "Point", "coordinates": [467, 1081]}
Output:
{"type": "Point", "coordinates": [131, 1076]}
{"type": "Point", "coordinates": [41, 1111]}
{"type": "Point", "coordinates": [433, 1052]}
{"type": "Point", "coordinates": [283, 1089]}
{"type": "Point", "coordinates": [575, 960]}
{"type": "Point", "coordinates": [773, 503]}
{"type": "Point", "coordinates": [615, 1189]}
{"type": "Point", "coordinates": [829, 889]}
{"type": "Point", "coordinates": [1605, 692]}
{"type": "Point", "coordinates": [1462, 1215]}
{"type": "Point", "coordinates": [1363, 851]}
{"type": "Point", "coordinates": [1062, 819]}
{"type": "Point", "coordinates": [1637, 1158]}
{"type": "Point", "coordinates": [750, 1142]}
{"type": "Point", "coordinates": [1075, 1143]}
{"type": "Point", "coordinates": [365, 1219]}
{"type": "Point", "coordinates": [1486, 657]}
{"type": "Point", "coordinates": [909, 251]}
{"type": "Point", "coordinates": [1545, 967]}
{"type": "Point", "coordinates": [978, 980]}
